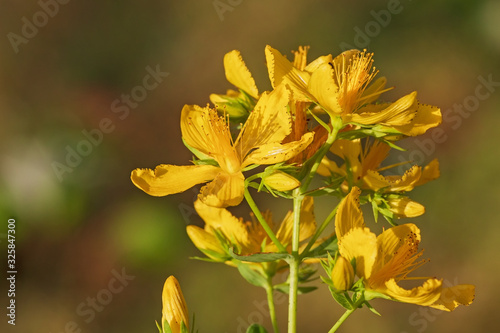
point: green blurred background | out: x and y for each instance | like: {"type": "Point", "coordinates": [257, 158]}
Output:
{"type": "Point", "coordinates": [78, 228]}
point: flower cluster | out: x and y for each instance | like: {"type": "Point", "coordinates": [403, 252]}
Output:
{"type": "Point", "coordinates": [323, 130]}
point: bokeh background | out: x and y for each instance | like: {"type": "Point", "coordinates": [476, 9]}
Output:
{"type": "Point", "coordinates": [80, 226]}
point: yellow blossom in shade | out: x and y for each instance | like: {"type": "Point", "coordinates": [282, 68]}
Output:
{"type": "Point", "coordinates": [345, 86]}
{"type": "Point", "coordinates": [385, 260]}
{"type": "Point", "coordinates": [247, 237]}
{"type": "Point", "coordinates": [174, 310]}
{"type": "Point", "coordinates": [259, 142]}
{"type": "Point", "coordinates": [362, 164]}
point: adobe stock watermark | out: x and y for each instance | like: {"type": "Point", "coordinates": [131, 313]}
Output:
{"type": "Point", "coordinates": [454, 117]}
{"type": "Point", "coordinates": [223, 6]}
{"type": "Point", "coordinates": [89, 308]}
{"type": "Point", "coordinates": [121, 107]}
{"type": "Point", "coordinates": [381, 19]}
{"type": "Point", "coordinates": [30, 27]}
{"type": "Point", "coordinates": [420, 319]}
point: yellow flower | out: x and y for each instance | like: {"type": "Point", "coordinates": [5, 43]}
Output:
{"type": "Point", "coordinates": [237, 104]}
{"type": "Point", "coordinates": [259, 142]}
{"type": "Point", "coordinates": [362, 165]}
{"type": "Point", "coordinates": [247, 237]}
{"type": "Point", "coordinates": [385, 260]}
{"type": "Point", "coordinates": [174, 310]}
{"type": "Point", "coordinates": [343, 87]}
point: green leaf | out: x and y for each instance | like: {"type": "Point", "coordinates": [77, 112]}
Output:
{"type": "Point", "coordinates": [305, 290]}
{"type": "Point", "coordinates": [342, 299]}
{"type": "Point", "coordinates": [260, 257]}
{"type": "Point", "coordinates": [372, 309]}
{"type": "Point", "coordinates": [255, 328]}
{"type": "Point", "coordinates": [252, 276]}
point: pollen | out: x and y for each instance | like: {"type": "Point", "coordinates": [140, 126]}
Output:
{"type": "Point", "coordinates": [353, 76]}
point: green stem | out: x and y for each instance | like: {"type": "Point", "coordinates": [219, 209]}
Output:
{"type": "Point", "coordinates": [294, 263]}
{"type": "Point", "coordinates": [332, 136]}
{"type": "Point", "coordinates": [320, 230]}
{"type": "Point", "coordinates": [263, 222]}
{"type": "Point", "coordinates": [270, 302]}
{"type": "Point", "coordinates": [346, 314]}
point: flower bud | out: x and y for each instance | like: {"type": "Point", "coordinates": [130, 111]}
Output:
{"type": "Point", "coordinates": [405, 207]}
{"type": "Point", "coordinates": [205, 241]}
{"type": "Point", "coordinates": [281, 181]}
{"type": "Point", "coordinates": [234, 104]}
{"type": "Point", "coordinates": [342, 274]}
{"type": "Point", "coordinates": [175, 310]}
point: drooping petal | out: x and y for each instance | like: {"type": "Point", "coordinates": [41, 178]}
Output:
{"type": "Point", "coordinates": [233, 228]}
{"type": "Point", "coordinates": [169, 179]}
{"type": "Point", "coordinates": [398, 113]}
{"type": "Point", "coordinates": [328, 167]}
{"type": "Point", "coordinates": [324, 89]}
{"type": "Point", "coordinates": [307, 219]}
{"type": "Point", "coordinates": [281, 70]}
{"type": "Point", "coordinates": [269, 122]}
{"type": "Point", "coordinates": [462, 294]}
{"type": "Point", "coordinates": [360, 244]}
{"type": "Point", "coordinates": [174, 305]}
{"type": "Point", "coordinates": [349, 215]}
{"type": "Point", "coordinates": [238, 74]}
{"type": "Point", "coordinates": [273, 153]}
{"type": "Point", "coordinates": [349, 151]}
{"type": "Point", "coordinates": [407, 182]}
{"type": "Point", "coordinates": [430, 172]}
{"type": "Point", "coordinates": [225, 190]}
{"type": "Point", "coordinates": [427, 117]}
{"type": "Point", "coordinates": [425, 295]}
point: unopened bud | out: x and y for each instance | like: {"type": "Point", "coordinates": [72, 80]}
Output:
{"type": "Point", "coordinates": [234, 104]}
{"type": "Point", "coordinates": [405, 207]}
{"type": "Point", "coordinates": [342, 274]}
{"type": "Point", "coordinates": [175, 310]}
{"type": "Point", "coordinates": [205, 242]}
{"type": "Point", "coordinates": [281, 181]}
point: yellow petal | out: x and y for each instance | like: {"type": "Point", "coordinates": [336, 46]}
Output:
{"type": "Point", "coordinates": [427, 117]}
{"type": "Point", "coordinates": [328, 167]}
{"type": "Point", "coordinates": [404, 207]}
{"type": "Point", "coordinates": [238, 74]}
{"type": "Point", "coordinates": [204, 241]}
{"type": "Point", "coordinates": [221, 219]}
{"type": "Point", "coordinates": [170, 179]}
{"type": "Point", "coordinates": [273, 153]}
{"type": "Point", "coordinates": [174, 305]}
{"type": "Point", "coordinates": [281, 70]}
{"type": "Point", "coordinates": [407, 182]}
{"type": "Point", "coordinates": [392, 239]}
{"type": "Point", "coordinates": [350, 151]}
{"type": "Point", "coordinates": [281, 181]}
{"type": "Point", "coordinates": [269, 122]}
{"type": "Point", "coordinates": [324, 89]}
{"type": "Point", "coordinates": [204, 130]}
{"type": "Point", "coordinates": [462, 294]}
{"type": "Point", "coordinates": [430, 172]}
{"type": "Point", "coordinates": [349, 215]}
{"type": "Point", "coordinates": [313, 65]}
{"type": "Point", "coordinates": [398, 113]}
{"type": "Point", "coordinates": [373, 92]}
{"type": "Point", "coordinates": [342, 274]}
{"type": "Point", "coordinates": [225, 190]}
{"type": "Point", "coordinates": [425, 295]}
{"type": "Point", "coordinates": [361, 244]}
{"type": "Point", "coordinates": [307, 223]}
